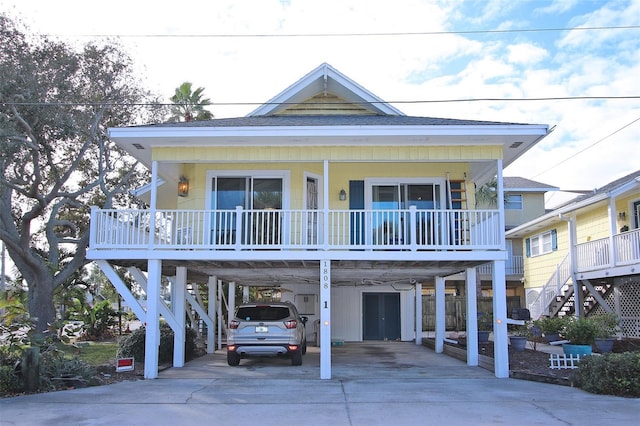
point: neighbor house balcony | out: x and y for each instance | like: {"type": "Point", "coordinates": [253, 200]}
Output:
{"type": "Point", "coordinates": [618, 250]}
{"type": "Point", "coordinates": [241, 229]}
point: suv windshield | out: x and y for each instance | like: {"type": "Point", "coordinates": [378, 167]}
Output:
{"type": "Point", "coordinates": [262, 313]}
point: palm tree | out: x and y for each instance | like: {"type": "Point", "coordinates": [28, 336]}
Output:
{"type": "Point", "coordinates": [189, 105]}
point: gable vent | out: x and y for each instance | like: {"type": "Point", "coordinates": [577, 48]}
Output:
{"type": "Point", "coordinates": [138, 146]}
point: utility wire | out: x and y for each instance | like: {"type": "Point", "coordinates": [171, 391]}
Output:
{"type": "Point", "coordinates": [213, 104]}
{"type": "Point", "coordinates": [588, 147]}
{"type": "Point", "coordinates": [373, 34]}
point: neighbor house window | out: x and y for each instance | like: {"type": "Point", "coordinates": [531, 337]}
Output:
{"type": "Point", "coordinates": [513, 202]}
{"type": "Point", "coordinates": [542, 243]}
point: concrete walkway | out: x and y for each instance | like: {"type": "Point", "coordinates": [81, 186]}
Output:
{"type": "Point", "coordinates": [373, 384]}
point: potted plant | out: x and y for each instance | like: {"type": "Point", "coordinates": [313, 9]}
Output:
{"type": "Point", "coordinates": [608, 325]}
{"type": "Point", "coordinates": [581, 334]}
{"type": "Point", "coordinates": [551, 327]}
{"type": "Point", "coordinates": [485, 326]}
{"type": "Point", "coordinates": [519, 336]}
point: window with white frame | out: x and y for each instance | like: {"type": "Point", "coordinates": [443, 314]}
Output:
{"type": "Point", "coordinates": [540, 244]}
{"type": "Point", "coordinates": [513, 202]}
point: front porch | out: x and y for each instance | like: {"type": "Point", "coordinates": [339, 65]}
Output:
{"type": "Point", "coordinates": [241, 229]}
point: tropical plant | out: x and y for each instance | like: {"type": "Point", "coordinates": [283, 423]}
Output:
{"type": "Point", "coordinates": [56, 159]}
{"type": "Point", "coordinates": [189, 105]}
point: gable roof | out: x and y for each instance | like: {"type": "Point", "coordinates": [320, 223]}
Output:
{"type": "Point", "coordinates": [325, 80]}
{"type": "Point", "coordinates": [520, 184]}
{"type": "Point", "coordinates": [613, 189]}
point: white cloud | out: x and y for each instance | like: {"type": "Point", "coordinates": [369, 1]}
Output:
{"type": "Point", "coordinates": [526, 54]}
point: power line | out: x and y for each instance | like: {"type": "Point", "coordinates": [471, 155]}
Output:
{"type": "Point", "coordinates": [372, 34]}
{"type": "Point", "coordinates": [424, 101]}
{"type": "Point", "coordinates": [588, 147]}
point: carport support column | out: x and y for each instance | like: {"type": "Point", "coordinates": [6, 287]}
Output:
{"type": "Point", "coordinates": [472, 316]}
{"type": "Point", "coordinates": [152, 325]}
{"type": "Point", "coordinates": [178, 307]}
{"type": "Point", "coordinates": [211, 311]}
{"type": "Point", "coordinates": [440, 314]}
{"type": "Point", "coordinates": [325, 319]}
{"type": "Point", "coordinates": [231, 302]}
{"type": "Point", "coordinates": [418, 313]}
{"type": "Point", "coordinates": [500, 339]}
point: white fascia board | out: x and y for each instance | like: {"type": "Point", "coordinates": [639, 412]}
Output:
{"type": "Point", "coordinates": [324, 131]}
{"type": "Point", "coordinates": [545, 189]}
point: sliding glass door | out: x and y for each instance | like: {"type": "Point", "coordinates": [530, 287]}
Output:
{"type": "Point", "coordinates": [390, 202]}
{"type": "Point", "coordinates": [251, 193]}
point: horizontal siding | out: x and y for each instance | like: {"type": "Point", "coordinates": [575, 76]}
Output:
{"type": "Point", "coordinates": [328, 104]}
{"type": "Point", "coordinates": [538, 270]}
{"type": "Point", "coordinates": [186, 154]}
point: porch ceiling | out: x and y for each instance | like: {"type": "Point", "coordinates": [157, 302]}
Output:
{"type": "Point", "coordinates": [282, 272]}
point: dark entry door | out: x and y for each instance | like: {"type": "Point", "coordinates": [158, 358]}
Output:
{"type": "Point", "coordinates": [381, 316]}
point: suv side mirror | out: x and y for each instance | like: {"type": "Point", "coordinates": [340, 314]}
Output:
{"type": "Point", "coordinates": [304, 320]}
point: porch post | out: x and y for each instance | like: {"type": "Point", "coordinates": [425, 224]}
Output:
{"type": "Point", "coordinates": [152, 325]}
{"type": "Point", "coordinates": [231, 302]}
{"type": "Point", "coordinates": [440, 315]}
{"type": "Point", "coordinates": [211, 311]}
{"type": "Point", "coordinates": [153, 202]}
{"type": "Point", "coordinates": [472, 316]}
{"type": "Point", "coordinates": [577, 287]}
{"type": "Point", "coordinates": [325, 319]}
{"type": "Point", "coordinates": [500, 338]}
{"type": "Point", "coordinates": [418, 313]}
{"type": "Point", "coordinates": [325, 207]}
{"type": "Point", "coordinates": [219, 309]}
{"type": "Point", "coordinates": [245, 293]}
{"type": "Point", "coordinates": [178, 306]}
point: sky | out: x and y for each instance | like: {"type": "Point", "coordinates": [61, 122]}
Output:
{"type": "Point", "coordinates": [408, 52]}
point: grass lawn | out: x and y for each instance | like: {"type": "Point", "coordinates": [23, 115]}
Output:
{"type": "Point", "coordinates": [94, 353]}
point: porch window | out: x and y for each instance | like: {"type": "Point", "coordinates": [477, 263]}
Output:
{"type": "Point", "coordinates": [390, 224]}
{"type": "Point", "coordinates": [251, 193]}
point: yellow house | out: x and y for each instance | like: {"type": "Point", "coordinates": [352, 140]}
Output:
{"type": "Point", "coordinates": [325, 193]}
{"type": "Point", "coordinates": [584, 257]}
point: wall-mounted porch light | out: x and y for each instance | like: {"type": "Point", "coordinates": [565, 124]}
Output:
{"type": "Point", "coordinates": [183, 187]}
{"type": "Point", "coordinates": [342, 195]}
{"type": "Point", "coordinates": [622, 215]}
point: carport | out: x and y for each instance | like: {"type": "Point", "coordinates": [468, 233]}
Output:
{"type": "Point", "coordinates": [357, 360]}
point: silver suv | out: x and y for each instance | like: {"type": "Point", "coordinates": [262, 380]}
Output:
{"type": "Point", "coordinates": [266, 329]}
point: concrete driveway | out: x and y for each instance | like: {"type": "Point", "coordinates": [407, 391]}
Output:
{"type": "Point", "coordinates": [373, 384]}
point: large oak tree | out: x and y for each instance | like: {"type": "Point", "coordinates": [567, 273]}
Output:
{"type": "Point", "coordinates": [56, 103]}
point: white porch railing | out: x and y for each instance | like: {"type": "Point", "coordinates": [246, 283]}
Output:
{"type": "Point", "coordinates": [241, 229]}
{"type": "Point", "coordinates": [620, 250]}
{"type": "Point", "coordinates": [513, 266]}
{"type": "Point", "coordinates": [599, 254]}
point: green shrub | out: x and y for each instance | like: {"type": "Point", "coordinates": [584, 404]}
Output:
{"type": "Point", "coordinates": [610, 374]}
{"type": "Point", "coordinates": [581, 331]}
{"type": "Point", "coordinates": [10, 382]}
{"type": "Point", "coordinates": [133, 344]}
{"type": "Point", "coordinates": [56, 371]}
